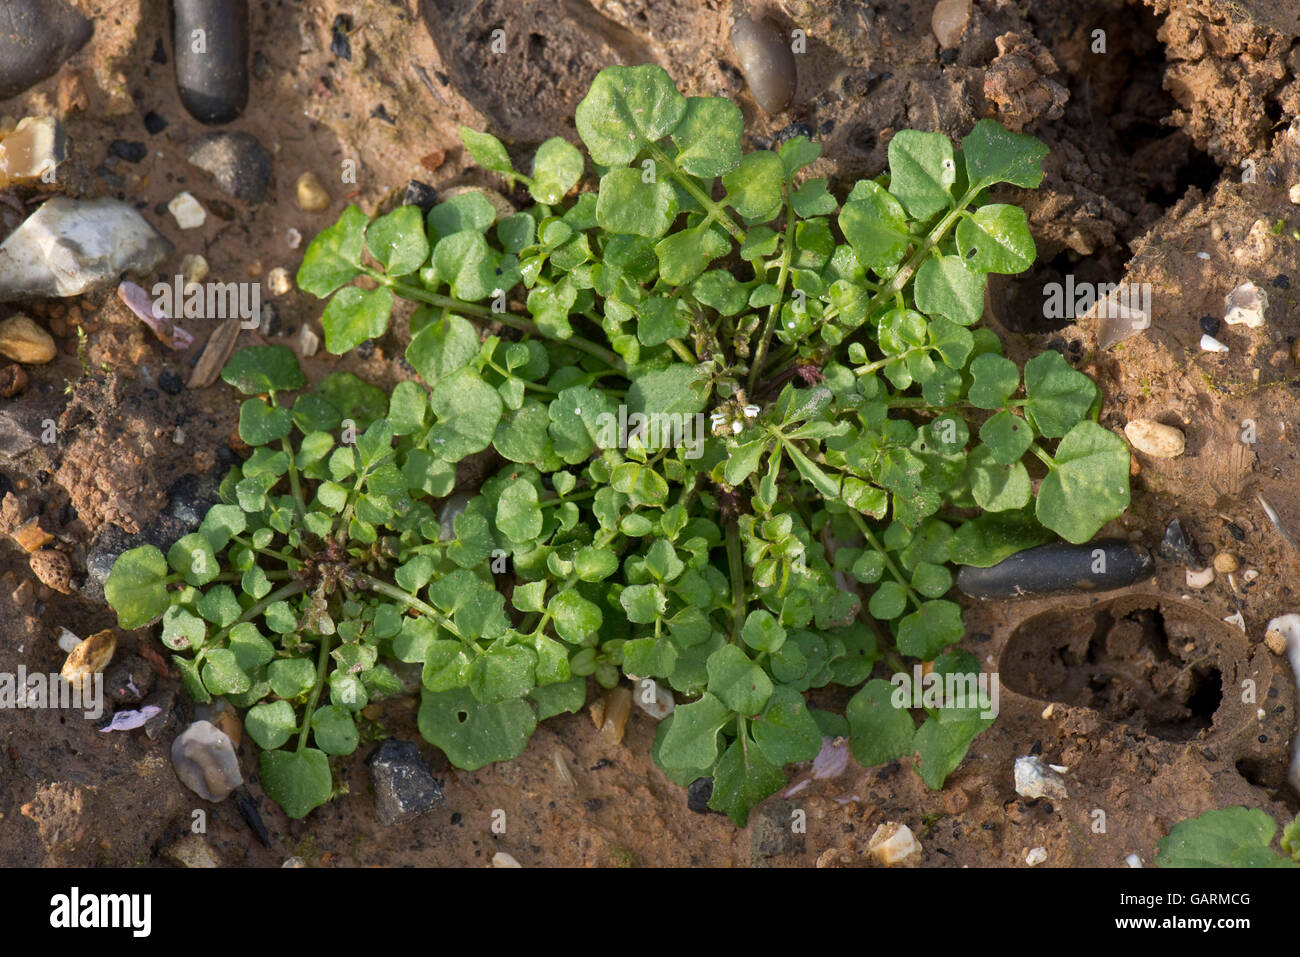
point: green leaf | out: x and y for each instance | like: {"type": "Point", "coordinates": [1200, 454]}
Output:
{"type": "Point", "coordinates": [298, 781]}
{"type": "Point", "coordinates": [996, 239]}
{"type": "Point", "coordinates": [407, 407]}
{"type": "Point", "coordinates": [684, 255]}
{"type": "Point", "coordinates": [798, 152]}
{"type": "Point", "coordinates": [1088, 484]}
{"type": "Point", "coordinates": [464, 261]}
{"type": "Point", "coordinates": [997, 487]}
{"type": "Point", "coordinates": [708, 136]}
{"type": "Point", "coordinates": [763, 632]}
{"type": "Point", "coordinates": [944, 285]}
{"type": "Point", "coordinates": [996, 378]}
{"type": "Point", "coordinates": [627, 109]}
{"type": "Point", "coordinates": [876, 227]}
{"type": "Point", "coordinates": [469, 211]}
{"type": "Point", "coordinates": [518, 514]}
{"type": "Point", "coordinates": [786, 731]}
{"type": "Point", "coordinates": [136, 587]}
{"type": "Point", "coordinates": [193, 557]}
{"type": "Point", "coordinates": [333, 730]}
{"type": "Point", "coordinates": [691, 740]}
{"type": "Point", "coordinates": [929, 630]}
{"type": "Point", "coordinates": [627, 204]}
{"type": "Point", "coordinates": [888, 601]}
{"type": "Point", "coordinates": [443, 347]}
{"type": "Point", "coordinates": [333, 258]}
{"type": "Point", "coordinates": [1230, 837]}
{"type": "Point", "coordinates": [739, 683]}
{"type": "Point", "coordinates": [557, 167]}
{"type": "Point", "coordinates": [812, 199]}
{"type": "Point", "coordinates": [260, 423]}
{"type": "Point", "coordinates": [743, 778]}
{"type": "Point", "coordinates": [667, 392]}
{"type": "Point", "coordinates": [988, 539]}
{"type": "Point", "coordinates": [1057, 395]}
{"type": "Point", "coordinates": [643, 603]}
{"type": "Point", "coordinates": [472, 733]}
{"type": "Point", "coordinates": [270, 724]}
{"type": "Point", "coordinates": [257, 369]}
{"type": "Point", "coordinates": [291, 677]}
{"type": "Point", "coordinates": [488, 151]}
{"type": "Point", "coordinates": [942, 742]}
{"type": "Point", "coordinates": [743, 462]}
{"type": "Point", "coordinates": [222, 674]}
{"type": "Point", "coordinates": [754, 187]}
{"type": "Point", "coordinates": [1007, 437]}
{"type": "Point", "coordinates": [355, 315]}
{"type": "Point", "coordinates": [397, 240]}
{"type": "Point", "coordinates": [575, 618]}
{"type": "Point", "coordinates": [996, 155]}
{"type": "Point", "coordinates": [467, 410]}
{"type": "Point", "coordinates": [354, 398]}
{"type": "Point", "coordinates": [921, 171]}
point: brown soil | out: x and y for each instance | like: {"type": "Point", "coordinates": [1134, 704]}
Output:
{"type": "Point", "coordinates": [1158, 708]}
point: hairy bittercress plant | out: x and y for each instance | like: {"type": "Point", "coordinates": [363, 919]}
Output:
{"type": "Point", "coordinates": [857, 437]}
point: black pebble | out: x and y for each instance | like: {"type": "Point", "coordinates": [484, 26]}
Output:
{"type": "Point", "coordinates": [155, 123]}
{"type": "Point", "coordinates": [170, 382]}
{"type": "Point", "coordinates": [226, 455]}
{"type": "Point", "coordinates": [1236, 531]}
{"type": "Point", "coordinates": [366, 348]}
{"type": "Point", "coordinates": [1059, 568]}
{"type": "Point", "coordinates": [213, 82]}
{"type": "Point", "coordinates": [949, 57]}
{"type": "Point", "coordinates": [340, 45]}
{"type": "Point", "coordinates": [1282, 281]}
{"type": "Point", "coordinates": [698, 794]}
{"type": "Point", "coordinates": [254, 820]}
{"type": "Point", "coordinates": [455, 818]}
{"type": "Point", "coordinates": [129, 150]}
{"type": "Point", "coordinates": [420, 194]}
{"type": "Point", "coordinates": [593, 804]}
{"type": "Point", "coordinates": [1210, 325]}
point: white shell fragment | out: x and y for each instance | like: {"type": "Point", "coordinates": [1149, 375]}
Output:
{"type": "Point", "coordinates": [205, 761]}
{"type": "Point", "coordinates": [1202, 579]}
{"type": "Point", "coordinates": [894, 845]}
{"type": "Point", "coordinates": [1155, 439]}
{"type": "Point", "coordinates": [73, 246]}
{"type": "Point", "coordinates": [1245, 305]}
{"type": "Point", "coordinates": [1036, 779]}
{"type": "Point", "coordinates": [68, 641]}
{"type": "Point", "coordinates": [187, 211]}
{"type": "Point", "coordinates": [1211, 344]}
{"type": "Point", "coordinates": [653, 698]}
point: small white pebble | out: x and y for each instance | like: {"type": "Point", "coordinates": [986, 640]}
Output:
{"type": "Point", "coordinates": [1049, 711]}
{"type": "Point", "coordinates": [1294, 193]}
{"type": "Point", "coordinates": [178, 437]}
{"type": "Point", "coordinates": [1260, 714]}
{"type": "Point", "coordinates": [1035, 856]}
{"type": "Point", "coordinates": [1133, 861]}
{"type": "Point", "coordinates": [1211, 344]}
{"type": "Point", "coordinates": [194, 268]}
{"type": "Point", "coordinates": [1202, 579]}
{"type": "Point", "coordinates": [1202, 255]}
{"type": "Point", "coordinates": [502, 859]}
{"type": "Point", "coordinates": [1236, 619]}
{"type": "Point", "coordinates": [293, 238]}
{"type": "Point", "coordinates": [187, 211]}
{"type": "Point", "coordinates": [279, 281]}
{"type": "Point", "coordinates": [1245, 305]}
{"type": "Point", "coordinates": [68, 641]}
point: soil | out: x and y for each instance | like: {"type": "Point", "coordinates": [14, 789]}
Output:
{"type": "Point", "coordinates": [1172, 154]}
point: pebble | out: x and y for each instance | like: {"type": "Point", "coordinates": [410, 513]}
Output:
{"type": "Point", "coordinates": [1175, 546]}
{"type": "Point", "coordinates": [1225, 563]}
{"type": "Point", "coordinates": [237, 162]}
{"type": "Point", "coordinates": [766, 62]}
{"type": "Point", "coordinates": [194, 268]}
{"type": "Point", "coordinates": [1155, 439]}
{"type": "Point", "coordinates": [1201, 579]}
{"type": "Point", "coordinates": [340, 45]}
{"type": "Point", "coordinates": [660, 704]}
{"type": "Point", "coordinates": [949, 21]}
{"type": "Point", "coordinates": [37, 37]}
{"type": "Point", "coordinates": [292, 238]}
{"type": "Point", "coordinates": [213, 81]}
{"type": "Point", "coordinates": [192, 851]}
{"type": "Point", "coordinates": [73, 246]}
{"type": "Point", "coordinates": [1210, 325]}
{"type": "Point", "coordinates": [894, 845]}
{"type": "Point", "coordinates": [1036, 856]}
{"type": "Point", "coordinates": [420, 194]}
{"type": "Point", "coordinates": [1133, 861]}
{"type": "Point", "coordinates": [1294, 193]}
{"type": "Point", "coordinates": [1059, 568]}
{"type": "Point", "coordinates": [154, 123]}
{"type": "Point", "coordinates": [279, 281]}
{"type": "Point", "coordinates": [13, 381]}
{"type": "Point", "coordinates": [68, 642]}
{"type": "Point", "coordinates": [132, 151]}
{"type": "Point", "coordinates": [187, 211]}
{"type": "Point", "coordinates": [32, 150]}
{"type": "Point", "coordinates": [52, 568]}
{"type": "Point", "coordinates": [1276, 641]}
{"type": "Point", "coordinates": [30, 535]}
{"type": "Point", "coordinates": [214, 355]}
{"type": "Point", "coordinates": [502, 859]}
{"type": "Point", "coordinates": [89, 658]}
{"type": "Point", "coordinates": [24, 341]}
{"type": "Point", "coordinates": [205, 761]}
{"type": "Point", "coordinates": [307, 343]}
{"type": "Point", "coordinates": [618, 706]}
{"type": "Point", "coordinates": [312, 195]}
{"type": "Point", "coordinates": [1246, 305]}
{"type": "Point", "coordinates": [221, 714]}
{"type": "Point", "coordinates": [1211, 344]}
{"type": "Point", "coordinates": [1036, 779]}
{"type": "Point", "coordinates": [404, 786]}
{"type": "Point", "coordinates": [698, 794]}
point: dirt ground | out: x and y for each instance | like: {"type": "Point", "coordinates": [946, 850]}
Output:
{"type": "Point", "coordinates": [1172, 154]}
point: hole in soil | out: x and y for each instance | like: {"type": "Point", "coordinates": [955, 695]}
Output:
{"type": "Point", "coordinates": [1133, 667]}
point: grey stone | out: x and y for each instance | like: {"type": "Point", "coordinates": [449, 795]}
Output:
{"type": "Point", "coordinates": [404, 786]}
{"type": "Point", "coordinates": [770, 834]}
{"type": "Point", "coordinates": [238, 163]}
{"type": "Point", "coordinates": [73, 246]}
{"type": "Point", "coordinates": [14, 437]}
{"type": "Point", "coordinates": [36, 36]}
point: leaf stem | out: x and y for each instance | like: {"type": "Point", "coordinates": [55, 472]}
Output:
{"type": "Point", "coordinates": [395, 593]}
{"type": "Point", "coordinates": [774, 311]}
{"type": "Point", "coordinates": [717, 213]}
{"type": "Point", "coordinates": [294, 483]}
{"type": "Point", "coordinates": [736, 565]}
{"type": "Point", "coordinates": [894, 570]}
{"type": "Point", "coordinates": [321, 664]}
